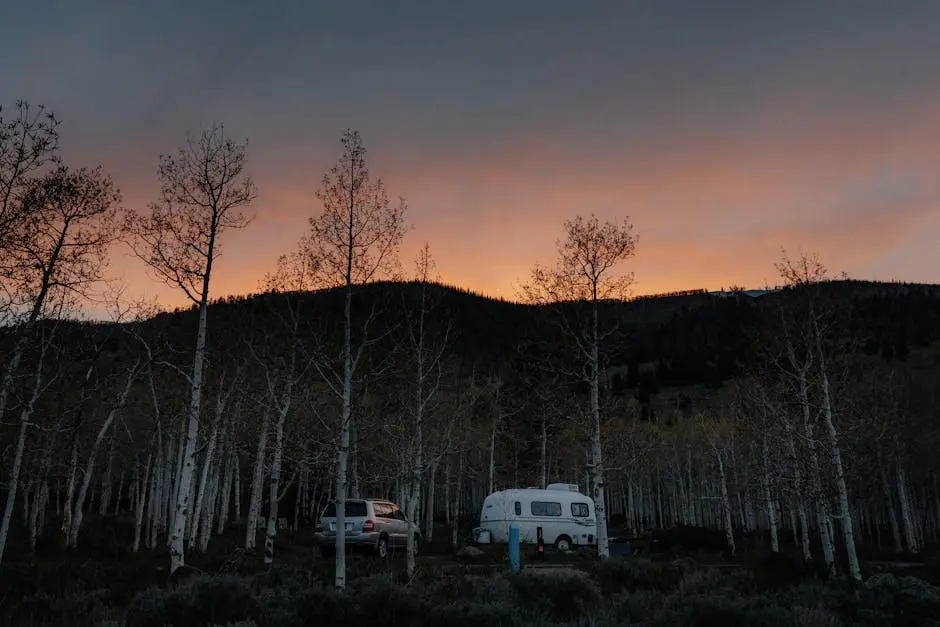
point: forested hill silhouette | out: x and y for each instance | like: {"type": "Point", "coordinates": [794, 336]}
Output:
{"type": "Point", "coordinates": [676, 339]}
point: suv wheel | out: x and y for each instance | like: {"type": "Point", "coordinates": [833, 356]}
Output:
{"type": "Point", "coordinates": [381, 549]}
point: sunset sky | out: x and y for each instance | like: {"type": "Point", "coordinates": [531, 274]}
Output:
{"type": "Point", "coordinates": [724, 129]}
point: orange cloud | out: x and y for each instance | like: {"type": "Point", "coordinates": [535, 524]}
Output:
{"type": "Point", "coordinates": [711, 208]}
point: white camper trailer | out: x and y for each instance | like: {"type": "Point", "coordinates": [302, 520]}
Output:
{"type": "Point", "coordinates": [565, 515]}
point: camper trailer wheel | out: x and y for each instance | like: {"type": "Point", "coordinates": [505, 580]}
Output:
{"type": "Point", "coordinates": [563, 543]}
{"type": "Point", "coordinates": [381, 549]}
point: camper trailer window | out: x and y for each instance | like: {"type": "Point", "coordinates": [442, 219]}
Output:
{"type": "Point", "coordinates": [542, 508]}
{"type": "Point", "coordinates": [579, 509]}
{"type": "Point", "coordinates": [518, 508]}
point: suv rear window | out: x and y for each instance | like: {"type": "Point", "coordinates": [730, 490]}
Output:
{"type": "Point", "coordinates": [354, 509]}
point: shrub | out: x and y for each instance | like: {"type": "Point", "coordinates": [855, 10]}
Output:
{"type": "Point", "coordinates": [705, 582]}
{"type": "Point", "coordinates": [642, 592]}
{"type": "Point", "coordinates": [377, 596]}
{"type": "Point", "coordinates": [201, 601]}
{"type": "Point", "coordinates": [816, 616]}
{"type": "Point", "coordinates": [473, 614]}
{"type": "Point", "coordinates": [278, 607]}
{"type": "Point", "coordinates": [281, 577]}
{"type": "Point", "coordinates": [635, 607]}
{"type": "Point", "coordinates": [617, 574]}
{"type": "Point", "coordinates": [85, 608]}
{"type": "Point", "coordinates": [682, 568]}
{"type": "Point", "coordinates": [774, 570]}
{"type": "Point", "coordinates": [444, 588]}
{"type": "Point", "coordinates": [324, 606]}
{"type": "Point", "coordinates": [702, 611]}
{"type": "Point", "coordinates": [717, 610]}
{"type": "Point", "coordinates": [910, 600]}
{"type": "Point", "coordinates": [932, 571]}
{"type": "Point", "coordinates": [561, 596]}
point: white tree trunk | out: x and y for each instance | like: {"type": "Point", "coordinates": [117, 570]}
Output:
{"type": "Point", "coordinates": [257, 484]}
{"type": "Point", "coordinates": [492, 484]}
{"type": "Point", "coordinates": [906, 518]}
{"type": "Point", "coordinates": [429, 505]}
{"type": "Point", "coordinates": [204, 478]}
{"type": "Point", "coordinates": [194, 484]}
{"type": "Point", "coordinates": [33, 522]}
{"type": "Point", "coordinates": [106, 481]}
{"type": "Point", "coordinates": [597, 465]}
{"type": "Point", "coordinates": [768, 496]}
{"type": "Point", "coordinates": [26, 491]}
{"type": "Point", "coordinates": [725, 499]}
{"type": "Point", "coordinates": [298, 497]}
{"type": "Point", "coordinates": [9, 377]}
{"type": "Point", "coordinates": [72, 541]}
{"type": "Point", "coordinates": [845, 511]}
{"type": "Point", "coordinates": [342, 455]}
{"type": "Point", "coordinates": [822, 511]}
{"type": "Point", "coordinates": [43, 506]}
{"type": "Point", "coordinates": [228, 476]}
{"type": "Point", "coordinates": [414, 487]}
{"type": "Point", "coordinates": [178, 450]}
{"type": "Point", "coordinates": [800, 501]}
{"type": "Point", "coordinates": [210, 510]}
{"type": "Point", "coordinates": [271, 533]}
{"type": "Point", "coordinates": [237, 488]}
{"type": "Point", "coordinates": [37, 520]}
{"type": "Point", "coordinates": [154, 507]}
{"type": "Point", "coordinates": [342, 448]}
{"type": "Point", "coordinates": [13, 481]}
{"type": "Point", "coordinates": [26, 415]}
{"type": "Point", "coordinates": [458, 491]}
{"type": "Point", "coordinates": [447, 518]}
{"type": "Point", "coordinates": [67, 512]}
{"type": "Point", "coordinates": [692, 517]}
{"type": "Point", "coordinates": [543, 457]}
{"type": "Point", "coordinates": [353, 463]}
{"type": "Point", "coordinates": [120, 494]}
{"type": "Point", "coordinates": [892, 513]}
{"type": "Point", "coordinates": [208, 464]}
{"type": "Point", "coordinates": [141, 491]}
{"type": "Point", "coordinates": [185, 479]}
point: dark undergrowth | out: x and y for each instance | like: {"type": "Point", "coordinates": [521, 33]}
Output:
{"type": "Point", "coordinates": [686, 580]}
{"type": "Point", "coordinates": [619, 591]}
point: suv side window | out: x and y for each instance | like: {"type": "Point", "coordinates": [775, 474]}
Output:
{"type": "Point", "coordinates": [397, 514]}
{"type": "Point", "coordinates": [381, 510]}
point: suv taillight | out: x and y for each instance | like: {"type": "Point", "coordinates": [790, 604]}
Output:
{"type": "Point", "coordinates": [368, 526]}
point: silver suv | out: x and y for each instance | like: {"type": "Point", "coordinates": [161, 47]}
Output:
{"type": "Point", "coordinates": [375, 524]}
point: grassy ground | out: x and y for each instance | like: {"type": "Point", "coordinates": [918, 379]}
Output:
{"type": "Point", "coordinates": [684, 580]}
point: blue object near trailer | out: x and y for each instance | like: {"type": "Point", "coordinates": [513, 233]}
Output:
{"type": "Point", "coordinates": [514, 547]}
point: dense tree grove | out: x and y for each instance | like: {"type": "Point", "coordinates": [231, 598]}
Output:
{"type": "Point", "coordinates": [808, 413]}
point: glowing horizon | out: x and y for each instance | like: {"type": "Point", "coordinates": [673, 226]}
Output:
{"type": "Point", "coordinates": [725, 132]}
